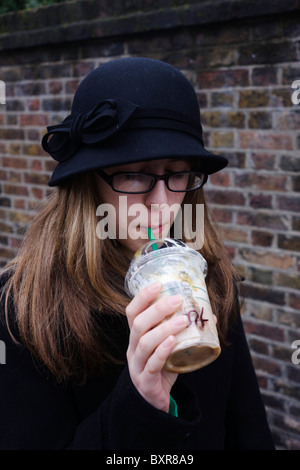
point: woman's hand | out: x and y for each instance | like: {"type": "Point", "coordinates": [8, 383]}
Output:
{"type": "Point", "coordinates": [150, 343]}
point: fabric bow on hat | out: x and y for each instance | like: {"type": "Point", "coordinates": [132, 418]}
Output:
{"type": "Point", "coordinates": [91, 127]}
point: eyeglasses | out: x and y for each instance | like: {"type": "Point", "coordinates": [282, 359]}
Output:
{"type": "Point", "coordinates": [139, 183]}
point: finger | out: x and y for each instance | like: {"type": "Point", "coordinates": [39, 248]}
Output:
{"type": "Point", "coordinates": [142, 300]}
{"type": "Point", "coordinates": [158, 359]}
{"type": "Point", "coordinates": [152, 316]}
{"type": "Point", "coordinates": [153, 339]}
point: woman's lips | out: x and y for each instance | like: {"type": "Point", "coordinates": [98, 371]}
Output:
{"type": "Point", "coordinates": [155, 230]}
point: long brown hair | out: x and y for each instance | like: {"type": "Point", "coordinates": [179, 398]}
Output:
{"type": "Point", "coordinates": [64, 278]}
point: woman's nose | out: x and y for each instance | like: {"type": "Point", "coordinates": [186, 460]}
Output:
{"type": "Point", "coordinates": [158, 195]}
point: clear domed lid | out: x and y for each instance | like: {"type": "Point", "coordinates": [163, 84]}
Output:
{"type": "Point", "coordinates": [155, 249]}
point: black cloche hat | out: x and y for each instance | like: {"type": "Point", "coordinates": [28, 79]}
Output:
{"type": "Point", "coordinates": [125, 111]}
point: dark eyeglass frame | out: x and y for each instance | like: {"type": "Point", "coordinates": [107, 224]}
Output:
{"type": "Point", "coordinates": [165, 178]}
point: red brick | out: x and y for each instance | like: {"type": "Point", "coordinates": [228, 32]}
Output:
{"type": "Point", "coordinates": [223, 78]}
{"type": "Point", "coordinates": [290, 163]}
{"type": "Point", "coordinates": [17, 190]}
{"type": "Point", "coordinates": [264, 182]}
{"type": "Point", "coordinates": [19, 204]}
{"type": "Point", "coordinates": [222, 119]}
{"type": "Point", "coordinates": [296, 224]}
{"type": "Point", "coordinates": [262, 52]}
{"type": "Point", "coordinates": [222, 139]}
{"type": "Point", "coordinates": [46, 71]}
{"type": "Point", "coordinates": [220, 179]}
{"type": "Point", "coordinates": [3, 175]}
{"type": "Point", "coordinates": [11, 134]}
{"type": "Point", "coordinates": [80, 69]}
{"type": "Point", "coordinates": [33, 149]}
{"type": "Point", "coordinates": [291, 281]}
{"type": "Point", "coordinates": [294, 301]}
{"type": "Point", "coordinates": [222, 99]}
{"type": "Point", "coordinates": [50, 164]}
{"type": "Point", "coordinates": [12, 120]}
{"type": "Point", "coordinates": [266, 330]}
{"type": "Point", "coordinates": [263, 161]}
{"type": "Point", "coordinates": [236, 159]}
{"type": "Point", "coordinates": [14, 105]}
{"type": "Point", "coordinates": [5, 202]}
{"type": "Point", "coordinates": [228, 197]}
{"type": "Point", "coordinates": [290, 73]}
{"type": "Point", "coordinates": [280, 97]}
{"type": "Point", "coordinates": [38, 193]}
{"type": "Point", "coordinates": [31, 89]}
{"type": "Point", "coordinates": [7, 228]}
{"type": "Point", "coordinates": [36, 165]}
{"type": "Point", "coordinates": [57, 104]}
{"type": "Point", "coordinates": [230, 251]}
{"type": "Point", "coordinates": [14, 177]}
{"type": "Point", "coordinates": [287, 317]}
{"type": "Point", "coordinates": [267, 258]}
{"type": "Point", "coordinates": [235, 234]}
{"type": "Point", "coordinates": [260, 201]}
{"type": "Point", "coordinates": [35, 178]}
{"type": "Point", "coordinates": [258, 346]}
{"type": "Point", "coordinates": [33, 134]}
{"type": "Point", "coordinates": [267, 366]}
{"type": "Point", "coordinates": [289, 242]}
{"type": "Point", "coordinates": [296, 183]}
{"type": "Point", "coordinates": [260, 120]}
{"type": "Point", "coordinates": [33, 104]}
{"type": "Point", "coordinates": [289, 203]}
{"type": "Point", "coordinates": [12, 162]}
{"type": "Point", "coordinates": [34, 120]}
{"type": "Point", "coordinates": [19, 217]}
{"type": "Point", "coordinates": [71, 86]}
{"type": "Point", "coordinates": [259, 219]}
{"type": "Point", "coordinates": [55, 87]}
{"type": "Point", "coordinates": [265, 140]}
{"type": "Point", "coordinates": [287, 120]}
{"type": "Point", "coordinates": [10, 90]}
{"type": "Point", "coordinates": [261, 238]}
{"type": "Point", "coordinates": [253, 98]}
{"type": "Point", "coordinates": [14, 148]}
{"type": "Point", "coordinates": [264, 76]}
{"type": "Point", "coordinates": [294, 376]}
{"type": "Point", "coordinates": [222, 215]}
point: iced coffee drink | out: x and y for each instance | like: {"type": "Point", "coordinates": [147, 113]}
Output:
{"type": "Point", "coordinates": [181, 270]}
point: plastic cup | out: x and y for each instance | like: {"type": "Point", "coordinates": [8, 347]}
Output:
{"type": "Point", "coordinates": [181, 270]}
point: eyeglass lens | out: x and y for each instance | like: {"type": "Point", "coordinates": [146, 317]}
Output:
{"type": "Point", "coordinates": [137, 182]}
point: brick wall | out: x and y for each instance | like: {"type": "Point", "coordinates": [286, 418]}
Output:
{"type": "Point", "coordinates": [242, 60]}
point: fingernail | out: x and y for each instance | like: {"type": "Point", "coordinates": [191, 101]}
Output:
{"type": "Point", "coordinates": [180, 320]}
{"type": "Point", "coordinates": [167, 342]}
{"type": "Point", "coordinates": [175, 300]}
{"type": "Point", "coordinates": [154, 287]}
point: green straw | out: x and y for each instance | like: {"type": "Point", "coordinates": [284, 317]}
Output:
{"type": "Point", "coordinates": [151, 237]}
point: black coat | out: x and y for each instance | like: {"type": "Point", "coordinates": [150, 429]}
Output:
{"type": "Point", "coordinates": [219, 406]}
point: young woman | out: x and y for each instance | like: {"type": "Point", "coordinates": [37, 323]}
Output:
{"type": "Point", "coordinates": [84, 365]}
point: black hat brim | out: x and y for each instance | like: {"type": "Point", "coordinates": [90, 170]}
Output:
{"type": "Point", "coordinates": [137, 145]}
